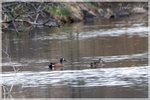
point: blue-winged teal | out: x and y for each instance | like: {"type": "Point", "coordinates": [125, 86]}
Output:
{"type": "Point", "coordinates": [98, 63]}
{"type": "Point", "coordinates": [57, 66]}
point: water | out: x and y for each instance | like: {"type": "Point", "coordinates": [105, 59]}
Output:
{"type": "Point", "coordinates": [121, 43]}
{"type": "Point", "coordinates": [90, 77]}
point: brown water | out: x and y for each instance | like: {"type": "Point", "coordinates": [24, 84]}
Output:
{"type": "Point", "coordinates": [121, 43]}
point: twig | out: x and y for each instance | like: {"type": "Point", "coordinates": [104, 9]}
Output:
{"type": "Point", "coordinates": [7, 91]}
{"type": "Point", "coordinates": [14, 68]}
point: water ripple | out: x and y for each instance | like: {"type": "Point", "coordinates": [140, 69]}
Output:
{"type": "Point", "coordinates": [130, 31]}
{"type": "Point", "coordinates": [126, 77]}
{"type": "Point", "coordinates": [143, 56]}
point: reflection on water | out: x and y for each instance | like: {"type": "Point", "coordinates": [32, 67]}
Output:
{"type": "Point", "coordinates": [122, 44]}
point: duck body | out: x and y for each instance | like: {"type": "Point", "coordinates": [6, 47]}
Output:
{"type": "Point", "coordinates": [57, 66]}
{"type": "Point", "coordinates": [99, 63]}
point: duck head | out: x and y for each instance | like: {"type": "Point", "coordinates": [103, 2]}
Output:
{"type": "Point", "coordinates": [62, 60]}
{"type": "Point", "coordinates": [100, 59]}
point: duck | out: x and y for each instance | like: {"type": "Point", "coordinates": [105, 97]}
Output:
{"type": "Point", "coordinates": [98, 63]}
{"type": "Point", "coordinates": [57, 66]}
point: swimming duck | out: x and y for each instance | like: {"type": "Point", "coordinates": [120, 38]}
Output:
{"type": "Point", "coordinates": [57, 66]}
{"type": "Point", "coordinates": [98, 63]}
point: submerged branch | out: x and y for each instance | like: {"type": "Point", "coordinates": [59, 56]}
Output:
{"type": "Point", "coordinates": [6, 90]}
{"type": "Point", "coordinates": [9, 58]}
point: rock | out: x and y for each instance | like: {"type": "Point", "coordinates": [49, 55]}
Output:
{"type": "Point", "coordinates": [76, 17]}
{"type": "Point", "coordinates": [139, 10]}
{"type": "Point", "coordinates": [101, 12]}
{"type": "Point", "coordinates": [105, 13]}
{"type": "Point", "coordinates": [109, 13]}
{"type": "Point", "coordinates": [88, 14]}
{"type": "Point", "coordinates": [122, 13]}
{"type": "Point", "coordinates": [76, 14]}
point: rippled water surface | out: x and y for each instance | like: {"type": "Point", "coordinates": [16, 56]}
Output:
{"type": "Point", "coordinates": [121, 43]}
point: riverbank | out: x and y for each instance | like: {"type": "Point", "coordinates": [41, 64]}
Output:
{"type": "Point", "coordinates": [18, 15]}
{"type": "Point", "coordinates": [102, 10]}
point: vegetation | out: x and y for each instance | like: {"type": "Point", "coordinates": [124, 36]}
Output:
{"type": "Point", "coordinates": [15, 15]}
{"type": "Point", "coordinates": [57, 11]}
